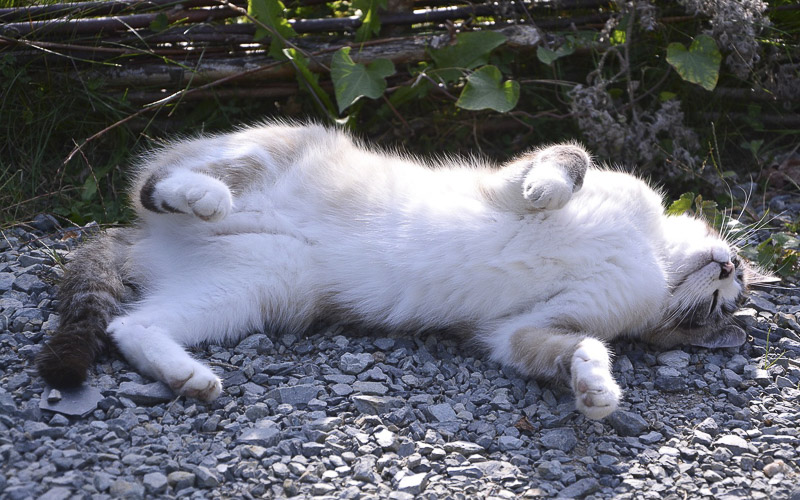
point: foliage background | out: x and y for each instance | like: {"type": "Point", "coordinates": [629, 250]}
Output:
{"type": "Point", "coordinates": [698, 95]}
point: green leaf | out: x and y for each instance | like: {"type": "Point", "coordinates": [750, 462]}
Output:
{"type": "Point", "coordinates": [485, 89]}
{"type": "Point", "coordinates": [548, 56]}
{"type": "Point", "coordinates": [618, 37]}
{"type": "Point", "coordinates": [160, 23]}
{"type": "Point", "coordinates": [412, 92]}
{"type": "Point", "coordinates": [700, 64]}
{"type": "Point", "coordinates": [471, 50]}
{"type": "Point", "coordinates": [681, 205]}
{"type": "Point", "coordinates": [666, 96]}
{"type": "Point", "coordinates": [370, 20]}
{"type": "Point", "coordinates": [309, 81]}
{"type": "Point", "coordinates": [89, 189]}
{"type": "Point", "coordinates": [352, 80]}
{"type": "Point", "coordinates": [271, 13]}
{"type": "Point", "coordinates": [786, 240]}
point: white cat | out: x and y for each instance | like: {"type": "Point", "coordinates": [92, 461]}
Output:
{"type": "Point", "coordinates": [542, 261]}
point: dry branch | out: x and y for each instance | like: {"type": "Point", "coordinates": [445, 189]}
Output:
{"type": "Point", "coordinates": [101, 24]}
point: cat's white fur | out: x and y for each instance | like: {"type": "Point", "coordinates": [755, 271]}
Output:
{"type": "Point", "coordinates": [282, 224]}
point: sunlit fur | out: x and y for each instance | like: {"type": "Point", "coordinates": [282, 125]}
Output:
{"type": "Point", "coordinates": [541, 260]}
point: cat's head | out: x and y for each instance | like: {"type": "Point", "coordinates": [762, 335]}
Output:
{"type": "Point", "coordinates": [708, 281]}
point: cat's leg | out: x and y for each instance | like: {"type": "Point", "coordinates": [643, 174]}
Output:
{"type": "Point", "coordinates": [544, 179]}
{"type": "Point", "coordinates": [200, 300]}
{"type": "Point", "coordinates": [204, 176]}
{"type": "Point", "coordinates": [153, 352]}
{"type": "Point", "coordinates": [579, 360]}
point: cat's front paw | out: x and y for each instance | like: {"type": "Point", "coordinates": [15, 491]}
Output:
{"type": "Point", "coordinates": [547, 192]}
{"type": "Point", "coordinates": [193, 193]}
{"type": "Point", "coordinates": [194, 380]}
{"type": "Point", "coordinates": [210, 203]}
{"type": "Point", "coordinates": [597, 395]}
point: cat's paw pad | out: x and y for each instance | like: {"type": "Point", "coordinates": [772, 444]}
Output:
{"type": "Point", "coordinates": [210, 203]}
{"type": "Point", "coordinates": [194, 381]}
{"type": "Point", "coordinates": [547, 193]}
{"type": "Point", "coordinates": [597, 395]}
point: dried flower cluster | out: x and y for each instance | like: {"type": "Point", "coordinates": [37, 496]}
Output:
{"type": "Point", "coordinates": [635, 137]}
{"type": "Point", "coordinates": [734, 24]}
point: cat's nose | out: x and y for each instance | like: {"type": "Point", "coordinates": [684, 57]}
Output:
{"type": "Point", "coordinates": [726, 269]}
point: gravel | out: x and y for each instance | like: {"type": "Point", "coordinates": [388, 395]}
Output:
{"type": "Point", "coordinates": [346, 413]}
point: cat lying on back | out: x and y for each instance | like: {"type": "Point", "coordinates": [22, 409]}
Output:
{"type": "Point", "coordinates": [543, 260]}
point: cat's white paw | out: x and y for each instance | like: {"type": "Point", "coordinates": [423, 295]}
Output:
{"type": "Point", "coordinates": [547, 188]}
{"type": "Point", "coordinates": [194, 193]}
{"type": "Point", "coordinates": [210, 202]}
{"type": "Point", "coordinates": [597, 395]}
{"type": "Point", "coordinates": [193, 379]}
{"type": "Point", "coordinates": [154, 353]}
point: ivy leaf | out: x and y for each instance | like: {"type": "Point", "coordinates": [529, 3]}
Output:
{"type": "Point", "coordinates": [310, 81]}
{"type": "Point", "coordinates": [471, 50]}
{"type": "Point", "coordinates": [700, 64]}
{"type": "Point", "coordinates": [370, 21]}
{"type": "Point", "coordinates": [270, 13]}
{"type": "Point", "coordinates": [681, 205]}
{"type": "Point", "coordinates": [547, 56]}
{"type": "Point", "coordinates": [352, 80]}
{"type": "Point", "coordinates": [485, 89]}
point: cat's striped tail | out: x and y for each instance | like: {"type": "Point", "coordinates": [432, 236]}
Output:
{"type": "Point", "coordinates": [90, 295]}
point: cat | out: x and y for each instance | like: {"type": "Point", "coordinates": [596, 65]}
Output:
{"type": "Point", "coordinates": [543, 260]}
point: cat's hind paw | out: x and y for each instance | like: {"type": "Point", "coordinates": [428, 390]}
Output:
{"type": "Point", "coordinates": [597, 395]}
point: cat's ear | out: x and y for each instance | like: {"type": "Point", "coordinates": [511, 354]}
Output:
{"type": "Point", "coordinates": [729, 336]}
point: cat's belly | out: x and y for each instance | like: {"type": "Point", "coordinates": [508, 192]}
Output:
{"type": "Point", "coordinates": [605, 281]}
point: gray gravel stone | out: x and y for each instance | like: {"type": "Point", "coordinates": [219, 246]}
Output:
{"type": "Point", "coordinates": [563, 439]}
{"type": "Point", "coordinates": [669, 379]}
{"type": "Point", "coordinates": [205, 478]}
{"type": "Point", "coordinates": [413, 483]}
{"type": "Point", "coordinates": [735, 444]}
{"type": "Point", "coordinates": [146, 394]}
{"type": "Point", "coordinates": [297, 395]}
{"type": "Point", "coordinates": [376, 405]}
{"type": "Point", "coordinates": [74, 402]}
{"type": "Point", "coordinates": [674, 359]}
{"type": "Point", "coordinates": [57, 493]}
{"type": "Point", "coordinates": [464, 448]}
{"type": "Point", "coordinates": [354, 364]}
{"type": "Point", "coordinates": [155, 483]}
{"type": "Point", "coordinates": [627, 423]}
{"type": "Point", "coordinates": [29, 283]}
{"type": "Point", "coordinates": [441, 412]}
{"type": "Point", "coordinates": [261, 436]}
{"type": "Point", "coordinates": [126, 489]}
{"type": "Point", "coordinates": [580, 488]}
{"type": "Point", "coordinates": [6, 281]}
